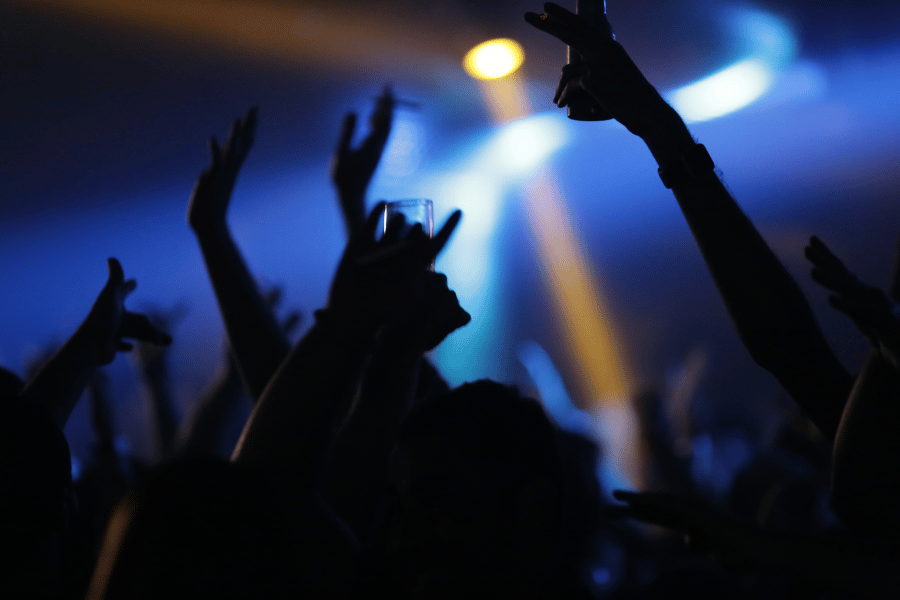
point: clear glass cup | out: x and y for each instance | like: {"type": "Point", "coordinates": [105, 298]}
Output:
{"type": "Point", "coordinates": [415, 210]}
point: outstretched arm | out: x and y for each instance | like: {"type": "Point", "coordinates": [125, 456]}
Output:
{"type": "Point", "coordinates": [60, 383]}
{"type": "Point", "coordinates": [770, 312]}
{"type": "Point", "coordinates": [865, 483]}
{"type": "Point", "coordinates": [862, 566]}
{"type": "Point", "coordinates": [258, 342]}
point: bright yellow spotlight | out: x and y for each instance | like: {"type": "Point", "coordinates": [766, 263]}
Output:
{"type": "Point", "coordinates": [494, 59]}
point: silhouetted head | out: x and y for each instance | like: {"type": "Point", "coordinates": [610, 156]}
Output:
{"type": "Point", "coordinates": [197, 528]}
{"type": "Point", "coordinates": [477, 492]}
{"type": "Point", "coordinates": [36, 499]}
{"type": "Point", "coordinates": [10, 384]}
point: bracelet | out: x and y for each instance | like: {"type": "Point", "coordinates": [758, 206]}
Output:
{"type": "Point", "coordinates": [343, 335]}
{"type": "Point", "coordinates": [694, 164]}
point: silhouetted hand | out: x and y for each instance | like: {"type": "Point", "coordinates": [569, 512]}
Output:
{"type": "Point", "coordinates": [725, 540]}
{"type": "Point", "coordinates": [108, 323]}
{"type": "Point", "coordinates": [212, 192]}
{"type": "Point", "coordinates": [377, 282]}
{"type": "Point", "coordinates": [437, 315]}
{"type": "Point", "coordinates": [150, 357]}
{"type": "Point", "coordinates": [607, 72]}
{"type": "Point", "coordinates": [352, 168]}
{"type": "Point", "coordinates": [870, 308]}
{"type": "Point", "coordinates": [293, 318]}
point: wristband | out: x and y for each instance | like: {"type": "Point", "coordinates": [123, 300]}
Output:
{"type": "Point", "coordinates": [694, 164]}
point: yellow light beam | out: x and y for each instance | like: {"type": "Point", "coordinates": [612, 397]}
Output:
{"type": "Point", "coordinates": [336, 37]}
{"type": "Point", "coordinates": [578, 306]}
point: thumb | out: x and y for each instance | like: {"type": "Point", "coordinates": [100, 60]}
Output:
{"type": "Point", "coordinates": [116, 275]}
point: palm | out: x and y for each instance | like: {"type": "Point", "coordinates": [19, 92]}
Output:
{"type": "Point", "coordinates": [212, 192]}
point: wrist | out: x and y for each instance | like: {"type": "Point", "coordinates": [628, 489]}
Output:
{"type": "Point", "coordinates": [348, 328]}
{"type": "Point", "coordinates": [667, 138]}
{"type": "Point", "coordinates": [211, 231]}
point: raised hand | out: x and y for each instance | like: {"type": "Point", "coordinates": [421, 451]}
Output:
{"type": "Point", "coordinates": [377, 282]}
{"type": "Point", "coordinates": [725, 540]}
{"type": "Point", "coordinates": [212, 192]}
{"type": "Point", "coordinates": [606, 72]}
{"type": "Point", "coordinates": [436, 315]}
{"type": "Point", "coordinates": [60, 383]}
{"type": "Point", "coordinates": [869, 307]}
{"type": "Point", "coordinates": [108, 323]}
{"type": "Point", "coordinates": [352, 168]}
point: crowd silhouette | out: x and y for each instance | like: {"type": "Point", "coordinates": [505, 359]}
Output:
{"type": "Point", "coordinates": [360, 473]}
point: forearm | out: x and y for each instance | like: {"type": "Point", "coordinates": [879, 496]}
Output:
{"type": "Point", "coordinates": [289, 432]}
{"type": "Point", "coordinates": [258, 343]}
{"type": "Point", "coordinates": [866, 464]}
{"type": "Point", "coordinates": [772, 316]}
{"type": "Point", "coordinates": [156, 381]}
{"type": "Point", "coordinates": [60, 383]}
{"type": "Point", "coordinates": [359, 463]}
{"type": "Point", "coordinates": [859, 565]}
{"type": "Point", "coordinates": [202, 433]}
{"type": "Point", "coordinates": [101, 418]}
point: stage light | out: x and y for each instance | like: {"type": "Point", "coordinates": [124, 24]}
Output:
{"type": "Point", "coordinates": [494, 59]}
{"type": "Point", "coordinates": [724, 92]}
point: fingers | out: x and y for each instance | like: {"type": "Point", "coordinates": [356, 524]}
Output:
{"type": "Point", "coordinates": [127, 287]}
{"type": "Point", "coordinates": [367, 233]}
{"type": "Point", "coordinates": [564, 26]}
{"type": "Point", "coordinates": [394, 228]}
{"type": "Point", "coordinates": [215, 153]}
{"type": "Point", "coordinates": [383, 113]}
{"type": "Point", "coordinates": [138, 327]}
{"type": "Point", "coordinates": [247, 132]}
{"type": "Point", "coordinates": [116, 274]}
{"type": "Point", "coordinates": [662, 509]}
{"type": "Point", "coordinates": [249, 123]}
{"type": "Point", "coordinates": [291, 322]}
{"type": "Point", "coordinates": [820, 255]}
{"type": "Point", "coordinates": [440, 240]}
{"type": "Point", "coordinates": [570, 72]}
{"type": "Point", "coordinates": [347, 129]}
{"type": "Point", "coordinates": [273, 296]}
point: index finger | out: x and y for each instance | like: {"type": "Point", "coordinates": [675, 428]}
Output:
{"type": "Point", "coordinates": [366, 233]}
{"type": "Point", "coordinates": [440, 240]}
{"type": "Point", "coordinates": [564, 26]}
{"type": "Point", "coordinates": [347, 128]}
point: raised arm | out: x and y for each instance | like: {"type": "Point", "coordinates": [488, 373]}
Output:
{"type": "Point", "coordinates": [865, 483]}
{"type": "Point", "coordinates": [60, 383]}
{"type": "Point", "coordinates": [358, 469]}
{"type": "Point", "coordinates": [858, 565]}
{"type": "Point", "coordinates": [770, 312]}
{"type": "Point", "coordinates": [258, 342]}
{"type": "Point", "coordinates": [202, 432]}
{"type": "Point", "coordinates": [352, 168]}
{"type": "Point", "coordinates": [290, 431]}
{"type": "Point", "coordinates": [153, 368]}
